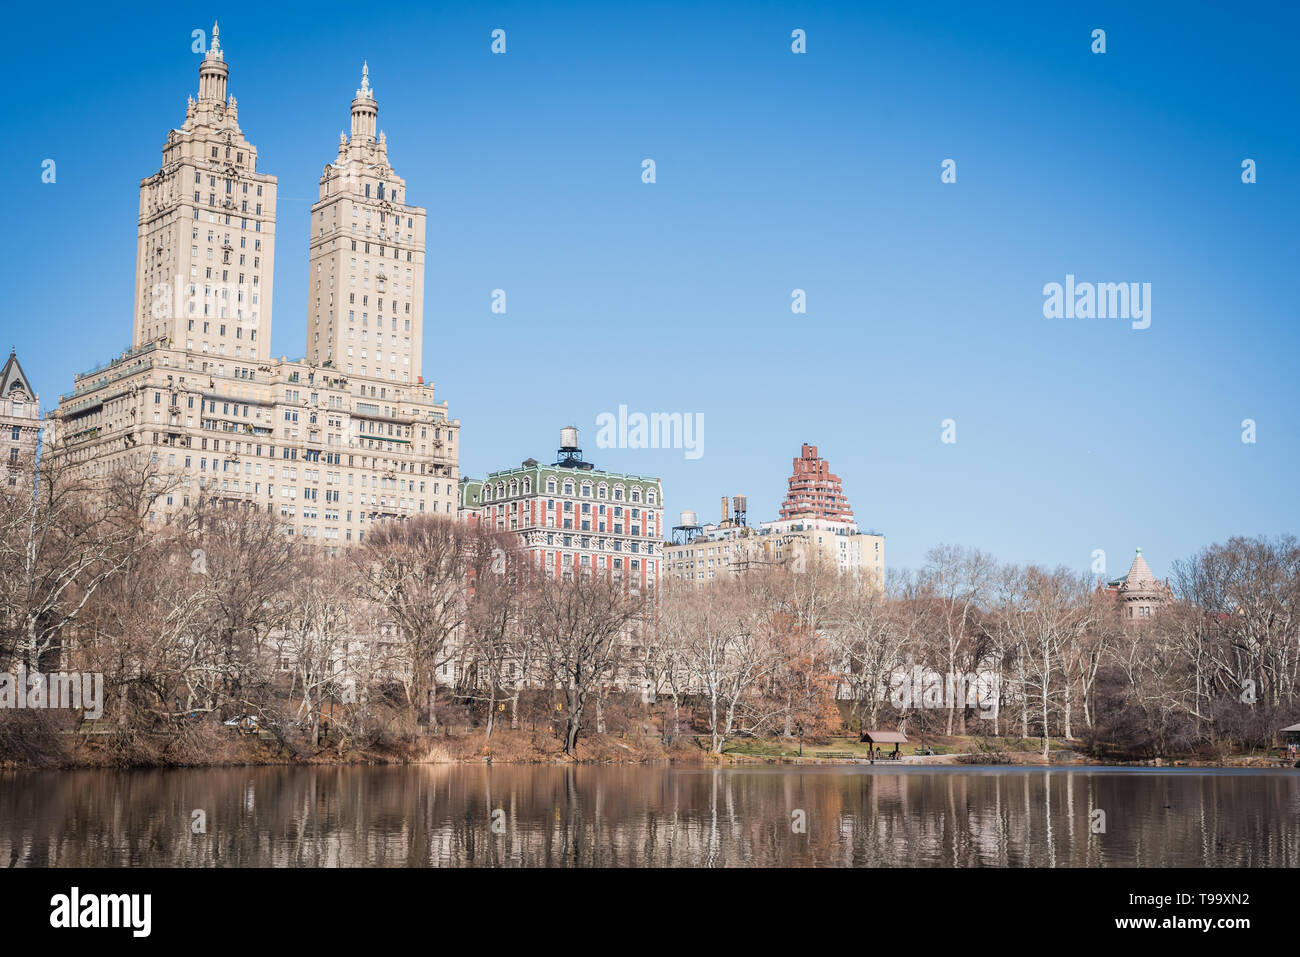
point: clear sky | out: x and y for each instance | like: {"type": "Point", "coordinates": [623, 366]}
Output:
{"type": "Point", "coordinates": [775, 171]}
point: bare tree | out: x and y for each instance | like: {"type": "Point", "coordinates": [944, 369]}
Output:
{"type": "Point", "coordinates": [868, 637]}
{"type": "Point", "coordinates": [246, 561]}
{"type": "Point", "coordinates": [320, 622]}
{"type": "Point", "coordinates": [579, 624]}
{"type": "Point", "coordinates": [1047, 609]}
{"type": "Point", "coordinates": [494, 645]}
{"type": "Point", "coordinates": [722, 633]}
{"type": "Point", "coordinates": [62, 536]}
{"type": "Point", "coordinates": [958, 579]}
{"type": "Point", "coordinates": [417, 571]}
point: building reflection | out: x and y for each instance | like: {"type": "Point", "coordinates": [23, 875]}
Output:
{"type": "Point", "coordinates": [453, 815]}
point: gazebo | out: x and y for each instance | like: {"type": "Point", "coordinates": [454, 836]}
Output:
{"type": "Point", "coordinates": [875, 738]}
{"type": "Point", "coordinates": [1292, 734]}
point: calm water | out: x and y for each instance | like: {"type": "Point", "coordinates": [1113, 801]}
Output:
{"type": "Point", "coordinates": [634, 816]}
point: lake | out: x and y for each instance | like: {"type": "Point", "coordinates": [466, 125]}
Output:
{"type": "Point", "coordinates": [533, 816]}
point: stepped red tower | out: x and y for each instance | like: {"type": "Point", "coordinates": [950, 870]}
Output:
{"type": "Point", "coordinates": [814, 490]}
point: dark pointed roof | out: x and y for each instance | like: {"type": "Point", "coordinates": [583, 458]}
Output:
{"type": "Point", "coordinates": [13, 377]}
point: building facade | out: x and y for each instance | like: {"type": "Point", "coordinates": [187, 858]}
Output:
{"type": "Point", "coordinates": [713, 552]}
{"type": "Point", "coordinates": [20, 422]}
{"type": "Point", "coordinates": [570, 515]}
{"type": "Point", "coordinates": [732, 548]}
{"type": "Point", "coordinates": [1139, 594]}
{"type": "Point", "coordinates": [329, 446]}
{"type": "Point", "coordinates": [839, 544]}
{"type": "Point", "coordinates": [205, 255]}
{"type": "Point", "coordinates": [813, 490]}
{"type": "Point", "coordinates": [816, 525]}
{"type": "Point", "coordinates": [366, 269]}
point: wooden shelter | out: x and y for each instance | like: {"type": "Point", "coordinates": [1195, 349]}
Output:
{"type": "Point", "coordinates": [877, 738]}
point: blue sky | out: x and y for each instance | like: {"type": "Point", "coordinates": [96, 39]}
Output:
{"type": "Point", "coordinates": [775, 171]}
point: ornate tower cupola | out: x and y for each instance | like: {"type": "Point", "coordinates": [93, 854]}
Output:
{"type": "Point", "coordinates": [365, 112]}
{"type": "Point", "coordinates": [366, 271]}
{"type": "Point", "coordinates": [205, 253]}
{"type": "Point", "coordinates": [213, 72]}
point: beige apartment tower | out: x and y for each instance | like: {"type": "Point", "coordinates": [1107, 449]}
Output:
{"type": "Point", "coordinates": [333, 443]}
{"type": "Point", "coordinates": [365, 292]}
{"type": "Point", "coordinates": [206, 235]}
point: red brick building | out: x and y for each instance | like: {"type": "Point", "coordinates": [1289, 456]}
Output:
{"type": "Point", "coordinates": [571, 515]}
{"type": "Point", "coordinates": [814, 490]}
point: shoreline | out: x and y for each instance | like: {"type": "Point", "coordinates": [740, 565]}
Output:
{"type": "Point", "coordinates": [524, 748]}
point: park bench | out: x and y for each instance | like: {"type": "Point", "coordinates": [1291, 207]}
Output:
{"type": "Point", "coordinates": [841, 755]}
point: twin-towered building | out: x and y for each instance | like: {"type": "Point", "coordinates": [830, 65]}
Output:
{"type": "Point", "coordinates": [350, 434]}
{"type": "Point", "coordinates": [333, 442]}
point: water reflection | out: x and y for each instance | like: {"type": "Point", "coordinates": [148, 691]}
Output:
{"type": "Point", "coordinates": [628, 817]}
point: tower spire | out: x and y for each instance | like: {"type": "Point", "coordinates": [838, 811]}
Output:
{"type": "Point", "coordinates": [213, 72]}
{"type": "Point", "coordinates": [365, 111]}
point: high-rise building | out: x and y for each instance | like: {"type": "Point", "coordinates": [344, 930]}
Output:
{"type": "Point", "coordinates": [20, 422]}
{"type": "Point", "coordinates": [206, 236]}
{"type": "Point", "coordinates": [570, 515]}
{"type": "Point", "coordinates": [365, 290]}
{"type": "Point", "coordinates": [814, 491]}
{"type": "Point", "coordinates": [816, 525]}
{"type": "Point", "coordinates": [328, 445]}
